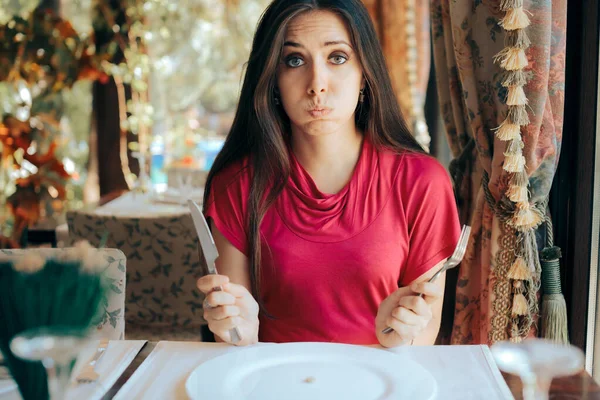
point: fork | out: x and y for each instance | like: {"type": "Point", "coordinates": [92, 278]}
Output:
{"type": "Point", "coordinates": [88, 373]}
{"type": "Point", "coordinates": [453, 261]}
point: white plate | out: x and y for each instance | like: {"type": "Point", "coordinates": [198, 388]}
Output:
{"type": "Point", "coordinates": [310, 371]}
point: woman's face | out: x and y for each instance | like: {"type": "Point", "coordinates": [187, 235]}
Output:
{"type": "Point", "coordinates": [319, 75]}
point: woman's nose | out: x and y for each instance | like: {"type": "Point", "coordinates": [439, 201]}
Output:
{"type": "Point", "coordinates": [318, 80]}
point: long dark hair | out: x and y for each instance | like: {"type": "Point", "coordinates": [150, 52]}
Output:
{"type": "Point", "coordinates": [261, 129]}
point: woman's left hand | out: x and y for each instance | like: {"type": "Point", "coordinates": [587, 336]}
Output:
{"type": "Point", "coordinates": [406, 313]}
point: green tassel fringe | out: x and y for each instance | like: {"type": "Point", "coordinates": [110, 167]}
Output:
{"type": "Point", "coordinates": [554, 318]}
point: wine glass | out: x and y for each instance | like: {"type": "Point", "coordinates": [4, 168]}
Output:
{"type": "Point", "coordinates": [57, 348]}
{"type": "Point", "coordinates": [537, 362]}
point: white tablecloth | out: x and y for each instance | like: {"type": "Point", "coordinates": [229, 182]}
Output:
{"type": "Point", "coordinates": [462, 372]}
{"type": "Point", "coordinates": [136, 205]}
{"type": "Point", "coordinates": [118, 356]}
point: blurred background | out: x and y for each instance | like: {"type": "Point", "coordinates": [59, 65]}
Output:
{"type": "Point", "coordinates": [103, 97]}
{"type": "Point", "coordinates": [99, 97]}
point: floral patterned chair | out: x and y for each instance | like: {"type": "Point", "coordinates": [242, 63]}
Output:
{"type": "Point", "coordinates": [112, 325]}
{"type": "Point", "coordinates": [163, 263]}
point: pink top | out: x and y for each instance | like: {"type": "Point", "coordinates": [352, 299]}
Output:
{"type": "Point", "coordinates": [330, 259]}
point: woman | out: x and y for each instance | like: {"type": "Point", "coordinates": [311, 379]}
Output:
{"type": "Point", "coordinates": [321, 203]}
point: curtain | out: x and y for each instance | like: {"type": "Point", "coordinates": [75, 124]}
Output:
{"type": "Point", "coordinates": [403, 28]}
{"type": "Point", "coordinates": [500, 74]}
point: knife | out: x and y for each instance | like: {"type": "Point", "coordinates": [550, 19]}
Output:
{"type": "Point", "coordinates": [209, 249]}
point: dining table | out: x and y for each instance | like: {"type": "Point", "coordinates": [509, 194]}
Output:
{"type": "Point", "coordinates": [140, 369]}
{"type": "Point", "coordinates": [579, 386]}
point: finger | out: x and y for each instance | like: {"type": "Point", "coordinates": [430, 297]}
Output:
{"type": "Point", "coordinates": [207, 283]}
{"type": "Point", "coordinates": [223, 326]}
{"type": "Point", "coordinates": [417, 305]}
{"type": "Point", "coordinates": [218, 298]}
{"type": "Point", "coordinates": [236, 290]}
{"type": "Point", "coordinates": [431, 291]}
{"type": "Point", "coordinates": [221, 313]}
{"type": "Point", "coordinates": [406, 332]}
{"type": "Point", "coordinates": [406, 316]}
{"type": "Point", "coordinates": [401, 292]}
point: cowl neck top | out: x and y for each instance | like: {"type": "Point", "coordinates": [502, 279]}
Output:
{"type": "Point", "coordinates": [324, 217]}
{"type": "Point", "coordinates": [329, 260]}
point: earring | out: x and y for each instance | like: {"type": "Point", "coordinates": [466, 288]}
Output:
{"type": "Point", "coordinates": [361, 97]}
{"type": "Point", "coordinates": [276, 96]}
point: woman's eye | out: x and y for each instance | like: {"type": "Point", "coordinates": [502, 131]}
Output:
{"type": "Point", "coordinates": [339, 59]}
{"type": "Point", "coordinates": [294, 62]}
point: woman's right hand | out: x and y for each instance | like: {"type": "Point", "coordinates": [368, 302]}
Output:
{"type": "Point", "coordinates": [233, 307]}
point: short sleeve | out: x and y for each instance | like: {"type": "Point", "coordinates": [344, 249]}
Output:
{"type": "Point", "coordinates": [227, 205]}
{"type": "Point", "coordinates": [431, 215]}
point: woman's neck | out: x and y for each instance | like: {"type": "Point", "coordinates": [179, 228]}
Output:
{"type": "Point", "coordinates": [329, 159]}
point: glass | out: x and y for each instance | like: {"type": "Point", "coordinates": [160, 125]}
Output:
{"type": "Point", "coordinates": [537, 362]}
{"type": "Point", "coordinates": [57, 349]}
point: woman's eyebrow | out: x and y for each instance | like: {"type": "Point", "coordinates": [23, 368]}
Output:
{"type": "Point", "coordinates": [328, 43]}
{"type": "Point", "coordinates": [336, 42]}
{"type": "Point", "coordinates": [292, 44]}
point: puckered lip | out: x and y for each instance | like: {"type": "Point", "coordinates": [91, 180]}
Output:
{"type": "Point", "coordinates": [319, 111]}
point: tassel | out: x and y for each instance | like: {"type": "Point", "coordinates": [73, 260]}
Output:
{"type": "Point", "coordinates": [517, 38]}
{"type": "Point", "coordinates": [512, 58]}
{"type": "Point", "coordinates": [525, 217]}
{"type": "Point", "coordinates": [517, 194]}
{"type": "Point", "coordinates": [514, 163]}
{"type": "Point", "coordinates": [502, 54]}
{"type": "Point", "coordinates": [518, 115]}
{"type": "Point", "coordinates": [516, 96]}
{"type": "Point", "coordinates": [515, 147]}
{"type": "Point", "coordinates": [519, 271]}
{"type": "Point", "coordinates": [554, 318]}
{"type": "Point", "coordinates": [506, 5]}
{"type": "Point", "coordinates": [514, 78]}
{"type": "Point", "coordinates": [523, 206]}
{"type": "Point", "coordinates": [554, 308]}
{"type": "Point", "coordinates": [508, 131]}
{"type": "Point", "coordinates": [515, 18]}
{"type": "Point", "coordinates": [514, 331]}
{"type": "Point", "coordinates": [519, 179]}
{"type": "Point", "coordinates": [516, 339]}
{"type": "Point", "coordinates": [520, 306]}
{"type": "Point", "coordinates": [551, 255]}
